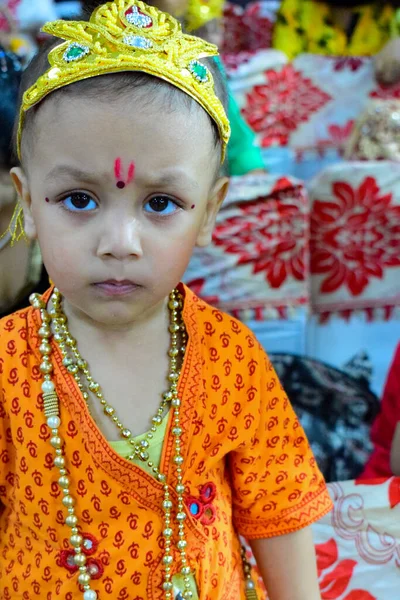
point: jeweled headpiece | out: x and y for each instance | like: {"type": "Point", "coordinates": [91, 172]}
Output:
{"type": "Point", "coordinates": [129, 35]}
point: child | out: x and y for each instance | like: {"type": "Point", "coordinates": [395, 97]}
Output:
{"type": "Point", "coordinates": [121, 140]}
{"type": "Point", "coordinates": [385, 433]}
{"type": "Point", "coordinates": [27, 274]}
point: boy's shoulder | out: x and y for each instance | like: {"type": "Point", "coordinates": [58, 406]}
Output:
{"type": "Point", "coordinates": [14, 329]}
{"type": "Point", "coordinates": [215, 326]}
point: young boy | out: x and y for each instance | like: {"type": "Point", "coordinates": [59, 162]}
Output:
{"type": "Point", "coordinates": [121, 139]}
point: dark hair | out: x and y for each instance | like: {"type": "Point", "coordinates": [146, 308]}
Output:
{"type": "Point", "coordinates": [115, 85]}
{"type": "Point", "coordinates": [10, 77]}
{"type": "Point", "coordinates": [88, 6]}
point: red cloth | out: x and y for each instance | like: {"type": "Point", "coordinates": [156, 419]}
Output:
{"type": "Point", "coordinates": [383, 429]}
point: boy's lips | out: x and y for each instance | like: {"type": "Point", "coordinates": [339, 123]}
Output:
{"type": "Point", "coordinates": [114, 287]}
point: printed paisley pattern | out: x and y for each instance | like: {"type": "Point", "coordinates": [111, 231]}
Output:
{"type": "Point", "coordinates": [241, 438]}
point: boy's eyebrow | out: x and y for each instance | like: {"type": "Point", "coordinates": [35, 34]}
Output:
{"type": "Point", "coordinates": [66, 170]}
{"type": "Point", "coordinates": [171, 178]}
{"type": "Point", "coordinates": [168, 178]}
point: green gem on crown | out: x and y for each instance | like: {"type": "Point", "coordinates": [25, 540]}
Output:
{"type": "Point", "coordinates": [199, 71]}
{"type": "Point", "coordinates": [75, 51]}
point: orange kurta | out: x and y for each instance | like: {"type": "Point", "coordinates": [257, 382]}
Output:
{"type": "Point", "coordinates": [248, 468]}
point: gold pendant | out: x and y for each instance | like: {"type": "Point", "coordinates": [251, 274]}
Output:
{"type": "Point", "coordinates": [251, 594]}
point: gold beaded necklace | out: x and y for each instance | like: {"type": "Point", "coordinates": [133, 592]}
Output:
{"type": "Point", "coordinates": [76, 365]}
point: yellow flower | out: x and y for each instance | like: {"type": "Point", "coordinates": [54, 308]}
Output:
{"type": "Point", "coordinates": [307, 26]}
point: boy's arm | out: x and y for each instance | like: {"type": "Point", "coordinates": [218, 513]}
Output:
{"type": "Point", "coordinates": [395, 452]}
{"type": "Point", "coordinates": [278, 490]}
{"type": "Point", "coordinates": [382, 461]}
{"type": "Point", "coordinates": [288, 565]}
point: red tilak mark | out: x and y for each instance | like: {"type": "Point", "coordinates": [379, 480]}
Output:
{"type": "Point", "coordinates": [118, 173]}
{"type": "Point", "coordinates": [117, 168]}
{"type": "Point", "coordinates": [47, 200]}
{"type": "Point", "coordinates": [131, 172]}
{"type": "Point", "coordinates": [193, 206]}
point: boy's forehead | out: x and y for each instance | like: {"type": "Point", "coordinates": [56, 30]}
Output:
{"type": "Point", "coordinates": [95, 132]}
{"type": "Point", "coordinates": [73, 170]}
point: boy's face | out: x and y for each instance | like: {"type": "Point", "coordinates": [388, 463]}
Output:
{"type": "Point", "coordinates": [118, 195]}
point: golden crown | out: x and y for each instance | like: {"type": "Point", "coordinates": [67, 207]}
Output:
{"type": "Point", "coordinates": [129, 35]}
{"type": "Point", "coordinates": [200, 12]}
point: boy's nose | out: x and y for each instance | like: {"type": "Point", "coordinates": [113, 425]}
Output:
{"type": "Point", "coordinates": [121, 239]}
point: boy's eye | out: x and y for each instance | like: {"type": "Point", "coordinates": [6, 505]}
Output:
{"type": "Point", "coordinates": [79, 202]}
{"type": "Point", "coordinates": [161, 205]}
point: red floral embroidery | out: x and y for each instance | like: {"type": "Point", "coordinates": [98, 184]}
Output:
{"type": "Point", "coordinates": [354, 236]}
{"type": "Point", "coordinates": [348, 62]}
{"type": "Point", "coordinates": [271, 236]}
{"type": "Point", "coordinates": [276, 108]}
{"type": "Point", "coordinates": [89, 547]}
{"type": "Point", "coordinates": [282, 184]}
{"type": "Point", "coordinates": [207, 492]}
{"type": "Point", "coordinates": [338, 135]}
{"type": "Point", "coordinates": [335, 582]}
{"type": "Point", "coordinates": [195, 506]}
{"type": "Point", "coordinates": [66, 560]}
{"type": "Point", "coordinates": [394, 492]}
{"type": "Point", "coordinates": [209, 515]}
{"type": "Point", "coordinates": [95, 568]}
{"type": "Point", "coordinates": [90, 544]}
{"type": "Point", "coordinates": [386, 92]}
{"type": "Point", "coordinates": [394, 488]}
{"type": "Point", "coordinates": [233, 61]}
{"type": "Point", "coordinates": [246, 29]}
{"type": "Point", "coordinates": [11, 6]}
{"type": "Point", "coordinates": [201, 508]}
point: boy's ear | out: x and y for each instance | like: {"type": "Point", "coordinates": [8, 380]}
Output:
{"type": "Point", "coordinates": [216, 198]}
{"type": "Point", "coordinates": [24, 198]}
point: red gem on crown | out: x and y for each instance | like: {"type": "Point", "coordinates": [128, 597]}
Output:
{"type": "Point", "coordinates": [136, 17]}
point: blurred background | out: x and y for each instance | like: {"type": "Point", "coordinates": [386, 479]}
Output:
{"type": "Point", "coordinates": [306, 249]}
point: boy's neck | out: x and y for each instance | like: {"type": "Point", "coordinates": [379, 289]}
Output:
{"type": "Point", "coordinates": [131, 365]}
{"type": "Point", "coordinates": [144, 331]}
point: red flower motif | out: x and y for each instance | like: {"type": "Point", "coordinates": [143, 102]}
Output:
{"type": "Point", "coordinates": [209, 515]}
{"type": "Point", "coordinates": [95, 568]}
{"type": "Point", "coordinates": [233, 61]}
{"type": "Point", "coordinates": [282, 184]}
{"type": "Point", "coordinates": [208, 491]}
{"type": "Point", "coordinates": [11, 6]}
{"type": "Point", "coordinates": [90, 544]}
{"type": "Point", "coordinates": [354, 236]}
{"type": "Point", "coordinates": [340, 134]}
{"type": "Point", "coordinates": [197, 285]}
{"type": "Point", "coordinates": [394, 492]}
{"type": "Point", "coordinates": [269, 235]}
{"type": "Point", "coordinates": [195, 506]}
{"type": "Point", "coordinates": [246, 29]}
{"type": "Point", "coordinates": [394, 488]}
{"type": "Point", "coordinates": [276, 108]}
{"type": "Point", "coordinates": [348, 62]}
{"type": "Point", "coordinates": [386, 92]}
{"type": "Point", "coordinates": [66, 560]}
{"type": "Point", "coordinates": [201, 508]}
{"type": "Point", "coordinates": [335, 583]}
